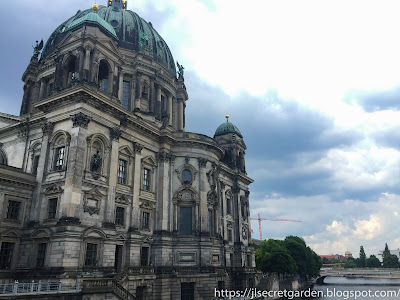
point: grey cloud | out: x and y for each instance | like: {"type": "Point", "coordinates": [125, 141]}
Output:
{"type": "Point", "coordinates": [378, 100]}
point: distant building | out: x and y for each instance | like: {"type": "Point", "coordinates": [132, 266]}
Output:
{"type": "Point", "coordinates": [348, 254]}
{"type": "Point", "coordinates": [334, 256]}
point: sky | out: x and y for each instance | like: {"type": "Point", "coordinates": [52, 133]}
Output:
{"type": "Point", "coordinates": [314, 87]}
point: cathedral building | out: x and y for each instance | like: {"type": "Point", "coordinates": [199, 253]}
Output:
{"type": "Point", "coordinates": [102, 188]}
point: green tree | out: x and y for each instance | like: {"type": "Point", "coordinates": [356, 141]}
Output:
{"type": "Point", "coordinates": [325, 260]}
{"type": "Point", "coordinates": [350, 264]}
{"type": "Point", "coordinates": [272, 256]}
{"type": "Point", "coordinates": [357, 262]}
{"type": "Point", "coordinates": [362, 257]}
{"type": "Point", "coordinates": [386, 251]}
{"type": "Point", "coordinates": [297, 250]}
{"type": "Point", "coordinates": [390, 261]}
{"type": "Point", "coordinates": [373, 262]}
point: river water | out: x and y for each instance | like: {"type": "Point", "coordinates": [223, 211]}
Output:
{"type": "Point", "coordinates": [342, 288]}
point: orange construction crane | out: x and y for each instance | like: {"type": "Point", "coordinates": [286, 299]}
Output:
{"type": "Point", "coordinates": [259, 219]}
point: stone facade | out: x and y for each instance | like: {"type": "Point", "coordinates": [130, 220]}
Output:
{"type": "Point", "coordinates": [99, 180]}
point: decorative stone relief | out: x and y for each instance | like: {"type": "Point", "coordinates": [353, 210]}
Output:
{"type": "Point", "coordinates": [80, 120]}
{"type": "Point", "coordinates": [91, 201]}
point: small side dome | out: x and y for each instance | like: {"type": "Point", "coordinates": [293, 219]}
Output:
{"type": "Point", "coordinates": [227, 127]}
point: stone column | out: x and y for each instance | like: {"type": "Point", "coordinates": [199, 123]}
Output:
{"type": "Point", "coordinates": [152, 101]}
{"type": "Point", "coordinates": [236, 226]}
{"type": "Point", "coordinates": [120, 86]}
{"type": "Point", "coordinates": [180, 114]}
{"type": "Point", "coordinates": [47, 129]}
{"type": "Point", "coordinates": [71, 204]}
{"type": "Point", "coordinates": [109, 210]}
{"type": "Point", "coordinates": [42, 88]}
{"type": "Point", "coordinates": [132, 100]}
{"type": "Point", "coordinates": [81, 51]}
{"type": "Point", "coordinates": [136, 186]}
{"type": "Point", "coordinates": [86, 64]}
{"type": "Point", "coordinates": [138, 91]}
{"type": "Point", "coordinates": [174, 115]}
{"type": "Point", "coordinates": [162, 190]}
{"type": "Point", "coordinates": [170, 109]}
{"type": "Point", "coordinates": [203, 195]}
{"type": "Point", "coordinates": [158, 106]}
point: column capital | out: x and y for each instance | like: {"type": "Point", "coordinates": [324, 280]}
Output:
{"type": "Point", "coordinates": [115, 133]}
{"type": "Point", "coordinates": [138, 148]}
{"type": "Point", "coordinates": [202, 162]}
{"type": "Point", "coordinates": [47, 128]}
{"type": "Point", "coordinates": [80, 120]}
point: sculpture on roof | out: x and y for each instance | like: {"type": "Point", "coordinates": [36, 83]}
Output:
{"type": "Point", "coordinates": [37, 48]}
{"type": "Point", "coordinates": [180, 68]}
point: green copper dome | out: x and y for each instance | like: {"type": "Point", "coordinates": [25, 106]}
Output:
{"type": "Point", "coordinates": [227, 127]}
{"type": "Point", "coordinates": [128, 28]}
{"type": "Point", "coordinates": [93, 18]}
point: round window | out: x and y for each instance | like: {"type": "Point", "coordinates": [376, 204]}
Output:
{"type": "Point", "coordinates": [186, 176]}
{"type": "Point", "coordinates": [114, 23]}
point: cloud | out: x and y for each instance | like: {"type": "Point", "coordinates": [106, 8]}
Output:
{"type": "Point", "coordinates": [375, 226]}
{"type": "Point", "coordinates": [373, 101]}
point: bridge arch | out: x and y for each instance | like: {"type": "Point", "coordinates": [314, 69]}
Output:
{"type": "Point", "coordinates": [320, 280]}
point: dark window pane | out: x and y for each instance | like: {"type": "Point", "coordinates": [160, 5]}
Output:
{"type": "Point", "coordinates": [52, 211]}
{"type": "Point", "coordinates": [91, 255]}
{"type": "Point", "coordinates": [13, 209]}
{"type": "Point", "coordinates": [120, 216]}
{"type": "Point", "coordinates": [230, 235]}
{"type": "Point", "coordinates": [185, 220]}
{"type": "Point", "coordinates": [186, 176]}
{"type": "Point", "coordinates": [146, 220]}
{"type": "Point", "coordinates": [6, 253]}
{"type": "Point", "coordinates": [59, 158]}
{"type": "Point", "coordinates": [41, 255]}
{"type": "Point", "coordinates": [104, 84]}
{"type": "Point", "coordinates": [144, 257]}
{"type": "Point", "coordinates": [140, 293]}
{"type": "Point", "coordinates": [126, 94]}
{"type": "Point", "coordinates": [122, 171]}
{"type": "Point", "coordinates": [187, 291]}
{"type": "Point", "coordinates": [228, 206]}
{"type": "Point", "coordinates": [35, 164]}
{"type": "Point", "coordinates": [211, 222]}
{"type": "Point", "coordinates": [146, 179]}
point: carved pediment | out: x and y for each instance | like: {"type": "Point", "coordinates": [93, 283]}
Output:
{"type": "Point", "coordinates": [54, 189]}
{"type": "Point", "coordinates": [11, 234]}
{"type": "Point", "coordinates": [147, 205]}
{"type": "Point", "coordinates": [149, 160]}
{"type": "Point", "coordinates": [122, 199]}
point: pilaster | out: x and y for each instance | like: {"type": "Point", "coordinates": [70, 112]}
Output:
{"type": "Point", "coordinates": [71, 203]}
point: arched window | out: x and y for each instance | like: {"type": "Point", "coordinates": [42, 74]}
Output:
{"type": "Point", "coordinates": [59, 146]}
{"type": "Point", "coordinates": [71, 70]}
{"type": "Point", "coordinates": [103, 76]}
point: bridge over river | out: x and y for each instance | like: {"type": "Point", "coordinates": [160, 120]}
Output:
{"type": "Point", "coordinates": [358, 273]}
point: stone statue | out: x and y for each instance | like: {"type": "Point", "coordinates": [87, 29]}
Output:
{"type": "Point", "coordinates": [180, 72]}
{"type": "Point", "coordinates": [37, 48]}
{"type": "Point", "coordinates": [96, 161]}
